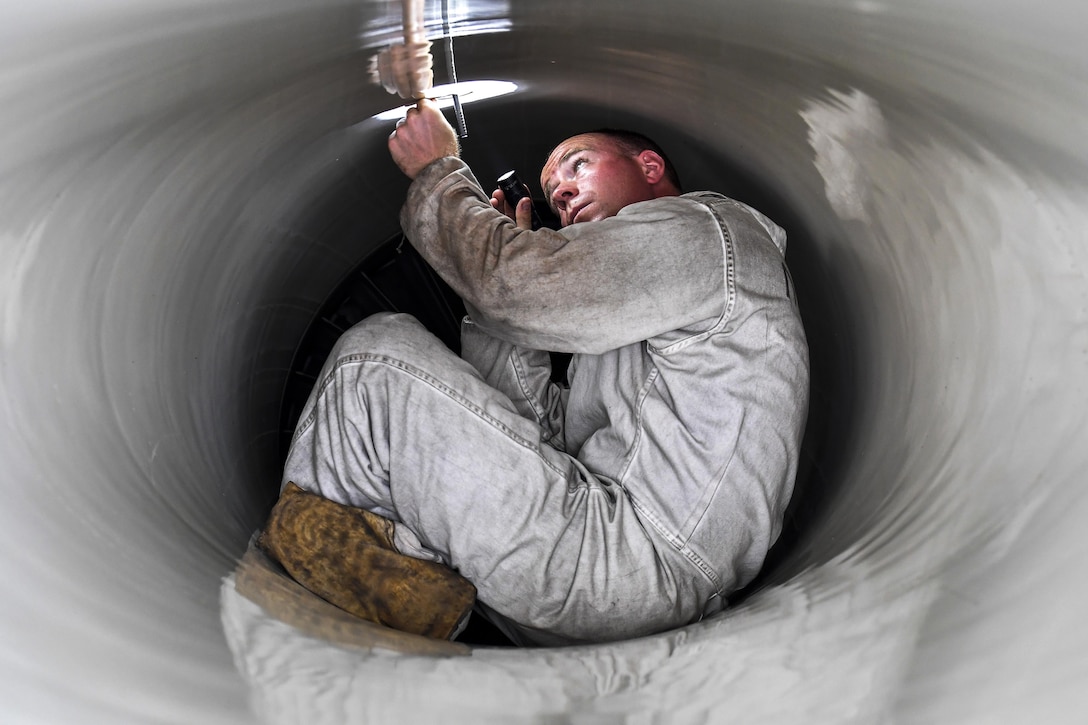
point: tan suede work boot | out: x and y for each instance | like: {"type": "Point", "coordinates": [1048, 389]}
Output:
{"type": "Point", "coordinates": [346, 556]}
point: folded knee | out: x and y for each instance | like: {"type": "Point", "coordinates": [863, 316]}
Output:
{"type": "Point", "coordinates": [392, 334]}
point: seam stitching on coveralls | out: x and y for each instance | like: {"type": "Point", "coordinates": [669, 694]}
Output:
{"type": "Point", "coordinates": [362, 358]}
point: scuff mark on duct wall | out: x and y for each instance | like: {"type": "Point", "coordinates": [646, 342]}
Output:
{"type": "Point", "coordinates": [838, 131]}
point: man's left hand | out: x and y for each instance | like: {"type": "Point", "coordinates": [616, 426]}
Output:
{"type": "Point", "coordinates": [422, 137]}
{"type": "Point", "coordinates": [522, 214]}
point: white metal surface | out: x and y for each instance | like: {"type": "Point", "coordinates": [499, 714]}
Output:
{"type": "Point", "coordinates": [172, 197]}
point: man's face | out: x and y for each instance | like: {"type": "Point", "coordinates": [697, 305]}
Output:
{"type": "Point", "coordinates": [588, 178]}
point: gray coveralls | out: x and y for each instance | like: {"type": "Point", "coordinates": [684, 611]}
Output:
{"type": "Point", "coordinates": [633, 502]}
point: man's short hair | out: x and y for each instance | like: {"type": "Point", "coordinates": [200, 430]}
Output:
{"type": "Point", "coordinates": [634, 143]}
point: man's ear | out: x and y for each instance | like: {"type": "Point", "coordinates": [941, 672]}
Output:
{"type": "Point", "coordinates": [653, 166]}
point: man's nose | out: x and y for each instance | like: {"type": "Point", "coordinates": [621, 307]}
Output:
{"type": "Point", "coordinates": [563, 191]}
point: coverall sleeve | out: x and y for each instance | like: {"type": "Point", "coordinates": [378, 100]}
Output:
{"type": "Point", "coordinates": [588, 288]}
{"type": "Point", "coordinates": [522, 374]}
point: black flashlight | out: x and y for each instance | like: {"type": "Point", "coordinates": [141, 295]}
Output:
{"type": "Point", "coordinates": [513, 189]}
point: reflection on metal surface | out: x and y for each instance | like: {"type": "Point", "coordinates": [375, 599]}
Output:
{"type": "Point", "coordinates": [468, 91]}
{"type": "Point", "coordinates": [182, 184]}
{"type": "Point", "coordinates": [459, 18]}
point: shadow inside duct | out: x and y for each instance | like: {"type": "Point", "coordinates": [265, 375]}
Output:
{"type": "Point", "coordinates": [392, 276]}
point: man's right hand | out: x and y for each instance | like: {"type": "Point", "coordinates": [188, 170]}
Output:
{"type": "Point", "coordinates": [522, 215]}
{"type": "Point", "coordinates": [422, 137]}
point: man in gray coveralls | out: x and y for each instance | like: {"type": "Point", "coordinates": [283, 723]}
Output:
{"type": "Point", "coordinates": [640, 497]}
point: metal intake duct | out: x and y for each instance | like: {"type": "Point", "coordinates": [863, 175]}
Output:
{"type": "Point", "coordinates": [183, 183]}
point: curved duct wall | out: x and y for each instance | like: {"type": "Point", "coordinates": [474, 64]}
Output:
{"type": "Point", "coordinates": [182, 185]}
